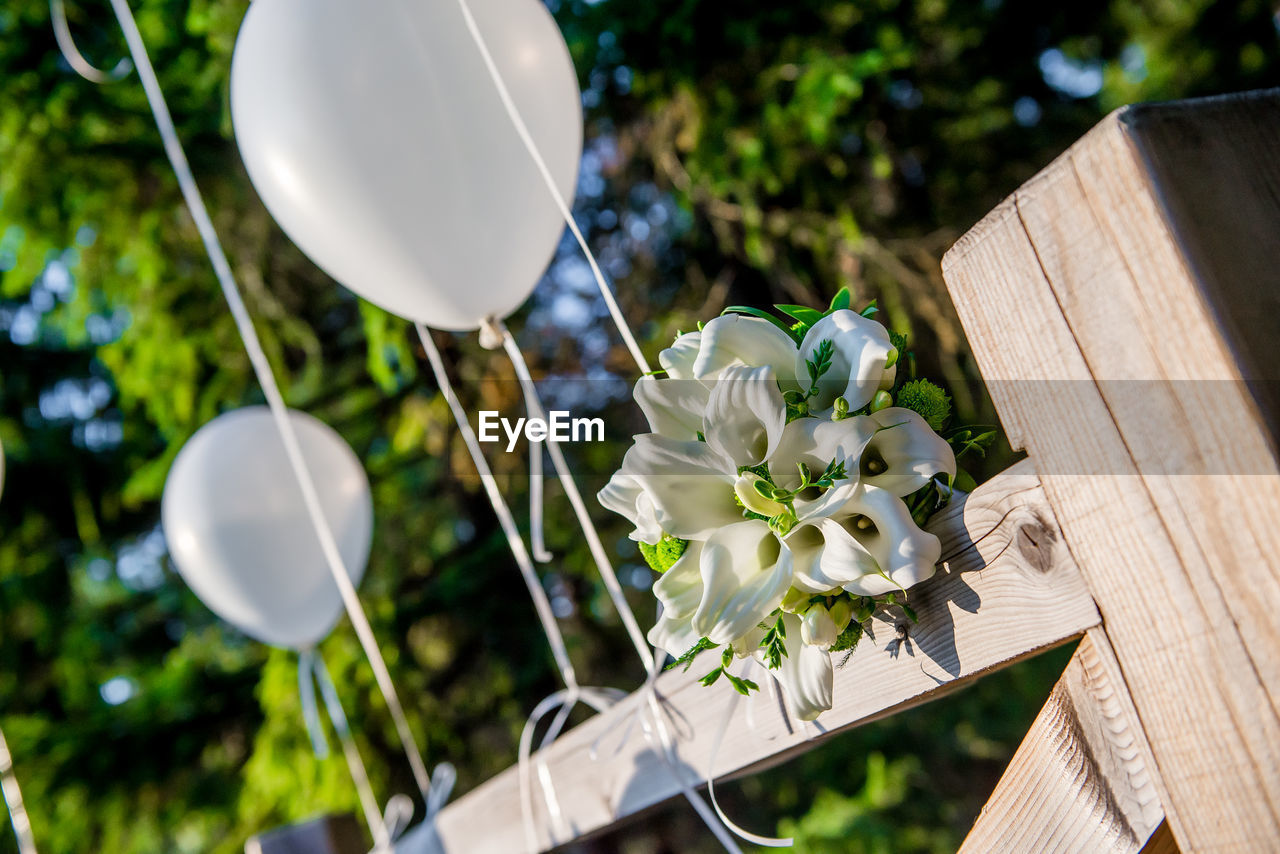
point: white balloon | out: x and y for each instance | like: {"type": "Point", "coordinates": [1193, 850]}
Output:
{"type": "Point", "coordinates": [239, 533]}
{"type": "Point", "coordinates": [377, 140]}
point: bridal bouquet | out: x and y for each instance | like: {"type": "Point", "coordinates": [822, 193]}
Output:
{"type": "Point", "coordinates": [781, 491]}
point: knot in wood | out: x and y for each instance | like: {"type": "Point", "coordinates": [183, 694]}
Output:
{"type": "Point", "coordinates": [1034, 540]}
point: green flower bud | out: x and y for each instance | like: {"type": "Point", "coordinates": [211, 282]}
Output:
{"type": "Point", "coordinates": [794, 601]}
{"type": "Point", "coordinates": [891, 359]}
{"type": "Point", "coordinates": [841, 410]}
{"type": "Point", "coordinates": [882, 400]}
{"type": "Point", "coordinates": [841, 613]}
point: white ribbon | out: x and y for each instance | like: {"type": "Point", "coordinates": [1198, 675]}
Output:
{"type": "Point", "coordinates": [530, 146]}
{"type": "Point", "coordinates": [333, 705]}
{"type": "Point", "coordinates": [18, 817]}
{"type": "Point", "coordinates": [507, 521]}
{"type": "Point", "coordinates": [767, 841]}
{"type": "Point", "coordinates": [601, 557]}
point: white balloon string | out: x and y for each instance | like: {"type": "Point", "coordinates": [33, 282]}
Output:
{"type": "Point", "coordinates": [566, 699]}
{"type": "Point", "coordinates": [610, 578]}
{"type": "Point", "coordinates": [598, 552]}
{"type": "Point", "coordinates": [537, 535]}
{"type": "Point", "coordinates": [721, 730]}
{"type": "Point", "coordinates": [372, 815]}
{"type": "Point", "coordinates": [307, 698]}
{"type": "Point", "coordinates": [262, 369]}
{"type": "Point", "coordinates": [18, 817]}
{"type": "Point", "coordinates": [540, 602]}
{"type": "Point", "coordinates": [517, 121]}
{"type": "Point", "coordinates": [73, 56]}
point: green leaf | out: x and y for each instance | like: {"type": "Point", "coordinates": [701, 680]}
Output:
{"type": "Point", "coordinates": [841, 300]}
{"type": "Point", "coordinates": [693, 652]}
{"type": "Point", "coordinates": [804, 314]}
{"type": "Point", "coordinates": [763, 315]}
{"type": "Point", "coordinates": [711, 677]}
{"type": "Point", "coordinates": [871, 309]}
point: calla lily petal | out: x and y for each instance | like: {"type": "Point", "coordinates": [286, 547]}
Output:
{"type": "Point", "coordinates": [745, 415]}
{"type": "Point", "coordinates": [679, 589]}
{"type": "Point", "coordinates": [624, 495]}
{"type": "Point", "coordinates": [745, 572]}
{"type": "Point", "coordinates": [807, 674]}
{"type": "Point", "coordinates": [673, 408]}
{"type": "Point", "coordinates": [674, 636]}
{"type": "Point", "coordinates": [825, 555]}
{"type": "Point", "coordinates": [881, 523]}
{"type": "Point", "coordinates": [860, 349]}
{"type": "Point", "coordinates": [690, 484]}
{"type": "Point", "coordinates": [905, 453]}
{"type": "Point", "coordinates": [736, 339]}
{"type": "Point", "coordinates": [677, 360]}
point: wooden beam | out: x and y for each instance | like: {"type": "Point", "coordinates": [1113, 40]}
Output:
{"type": "Point", "coordinates": [1098, 339]}
{"type": "Point", "coordinates": [1083, 780]}
{"type": "Point", "coordinates": [1007, 588]}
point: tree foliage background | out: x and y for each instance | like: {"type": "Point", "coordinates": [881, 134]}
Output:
{"type": "Point", "coordinates": [754, 152]}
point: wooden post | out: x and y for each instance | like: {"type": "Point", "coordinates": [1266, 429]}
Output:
{"type": "Point", "coordinates": [1124, 307]}
{"type": "Point", "coordinates": [1083, 781]}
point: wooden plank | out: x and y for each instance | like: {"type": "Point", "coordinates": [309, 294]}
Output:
{"type": "Point", "coordinates": [1082, 782]}
{"type": "Point", "coordinates": [1162, 841]}
{"type": "Point", "coordinates": [1227, 237]}
{"type": "Point", "coordinates": [1006, 589]}
{"type": "Point", "coordinates": [1109, 368]}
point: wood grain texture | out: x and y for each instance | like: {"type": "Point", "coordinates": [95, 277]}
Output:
{"type": "Point", "coordinates": [1082, 782]}
{"type": "Point", "coordinates": [1006, 589]}
{"type": "Point", "coordinates": [1228, 237]}
{"type": "Point", "coordinates": [1108, 366]}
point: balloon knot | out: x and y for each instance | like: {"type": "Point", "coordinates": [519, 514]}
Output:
{"type": "Point", "coordinates": [491, 333]}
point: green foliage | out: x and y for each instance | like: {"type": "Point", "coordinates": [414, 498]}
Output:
{"type": "Point", "coordinates": [848, 639]}
{"type": "Point", "coordinates": [774, 644]}
{"type": "Point", "coordinates": [687, 657]}
{"type": "Point", "coordinates": [927, 400]}
{"type": "Point", "coordinates": [663, 554]}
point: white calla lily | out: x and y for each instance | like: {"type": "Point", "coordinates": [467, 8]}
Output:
{"type": "Point", "coordinates": [806, 674]}
{"type": "Point", "coordinates": [745, 572]}
{"type": "Point", "coordinates": [904, 553]}
{"type": "Point", "coordinates": [745, 415]}
{"type": "Point", "coordinates": [689, 483]}
{"type": "Point", "coordinates": [677, 360]}
{"type": "Point", "coordinates": [673, 408]}
{"type": "Point", "coordinates": [679, 589]}
{"type": "Point", "coordinates": [860, 349]}
{"type": "Point", "coordinates": [737, 340]}
{"type": "Point", "coordinates": [825, 555]}
{"type": "Point", "coordinates": [904, 453]}
{"type": "Point", "coordinates": [624, 495]}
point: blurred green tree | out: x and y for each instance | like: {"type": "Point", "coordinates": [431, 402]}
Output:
{"type": "Point", "coordinates": [752, 153]}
